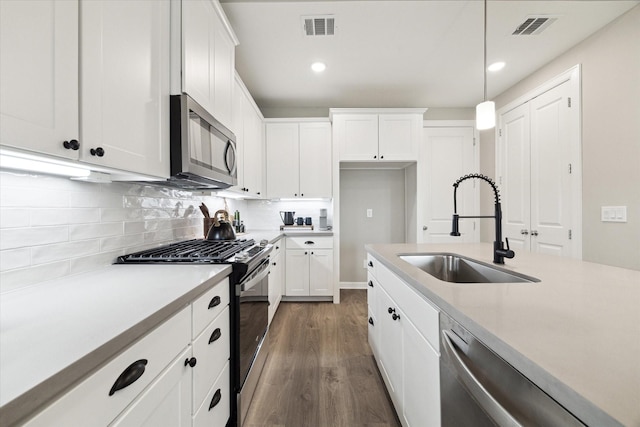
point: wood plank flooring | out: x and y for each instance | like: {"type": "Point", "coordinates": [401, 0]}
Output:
{"type": "Point", "coordinates": [320, 372]}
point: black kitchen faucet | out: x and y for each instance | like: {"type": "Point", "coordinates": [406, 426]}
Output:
{"type": "Point", "coordinates": [499, 252]}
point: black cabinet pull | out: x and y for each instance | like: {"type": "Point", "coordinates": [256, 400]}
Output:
{"type": "Point", "coordinates": [391, 310]}
{"type": "Point", "coordinates": [215, 301]}
{"type": "Point", "coordinates": [191, 362]}
{"type": "Point", "coordinates": [382, 157]}
{"type": "Point", "coordinates": [129, 375]}
{"type": "Point", "coordinates": [375, 157]}
{"type": "Point", "coordinates": [395, 316]}
{"type": "Point", "coordinates": [215, 335]}
{"type": "Point", "coordinates": [71, 145]}
{"type": "Point", "coordinates": [371, 321]}
{"type": "Point", "coordinates": [370, 264]}
{"type": "Point", "coordinates": [97, 151]}
{"type": "Point", "coordinates": [217, 397]}
{"type": "Point", "coordinates": [309, 242]}
{"type": "Point", "coordinates": [370, 284]}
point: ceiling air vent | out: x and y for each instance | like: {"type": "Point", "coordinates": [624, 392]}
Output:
{"type": "Point", "coordinates": [320, 25]}
{"type": "Point", "coordinates": [534, 25]}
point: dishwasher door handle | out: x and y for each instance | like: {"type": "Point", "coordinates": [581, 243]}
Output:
{"type": "Point", "coordinates": [489, 404]}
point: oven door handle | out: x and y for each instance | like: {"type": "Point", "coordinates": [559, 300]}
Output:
{"type": "Point", "coordinates": [489, 404]}
{"type": "Point", "coordinates": [261, 272]}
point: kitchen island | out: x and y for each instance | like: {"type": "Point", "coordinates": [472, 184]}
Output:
{"type": "Point", "coordinates": [575, 334]}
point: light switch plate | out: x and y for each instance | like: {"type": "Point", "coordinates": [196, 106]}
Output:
{"type": "Point", "coordinates": [369, 213]}
{"type": "Point", "coordinates": [613, 214]}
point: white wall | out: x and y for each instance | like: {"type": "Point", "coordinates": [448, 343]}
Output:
{"type": "Point", "coordinates": [52, 227]}
{"type": "Point", "coordinates": [610, 61]}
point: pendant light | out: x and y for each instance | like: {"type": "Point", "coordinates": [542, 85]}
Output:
{"type": "Point", "coordinates": [485, 111]}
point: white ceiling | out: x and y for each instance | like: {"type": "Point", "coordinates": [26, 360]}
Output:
{"type": "Point", "coordinates": [400, 53]}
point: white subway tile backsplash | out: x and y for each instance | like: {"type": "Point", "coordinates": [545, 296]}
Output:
{"type": "Point", "coordinates": [64, 216]}
{"type": "Point", "coordinates": [12, 238]}
{"type": "Point", "coordinates": [15, 258]}
{"type": "Point", "coordinates": [120, 242]}
{"type": "Point", "coordinates": [22, 277]}
{"type": "Point", "coordinates": [12, 218]}
{"type": "Point", "coordinates": [48, 253]}
{"type": "Point", "coordinates": [37, 198]}
{"type": "Point", "coordinates": [95, 231]}
{"type": "Point", "coordinates": [93, 262]}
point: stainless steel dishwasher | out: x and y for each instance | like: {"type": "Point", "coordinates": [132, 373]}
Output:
{"type": "Point", "coordinates": [478, 388]}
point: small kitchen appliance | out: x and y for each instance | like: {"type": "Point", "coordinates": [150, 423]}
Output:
{"type": "Point", "coordinates": [287, 217]}
{"type": "Point", "coordinates": [323, 219]}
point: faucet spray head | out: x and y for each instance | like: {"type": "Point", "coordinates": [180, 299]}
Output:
{"type": "Point", "coordinates": [455, 225]}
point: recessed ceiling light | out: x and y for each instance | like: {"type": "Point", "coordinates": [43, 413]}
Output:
{"type": "Point", "coordinates": [318, 67]}
{"type": "Point", "coordinates": [496, 66]}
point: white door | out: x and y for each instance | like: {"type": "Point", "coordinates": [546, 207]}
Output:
{"type": "Point", "coordinates": [39, 75]}
{"type": "Point", "coordinates": [535, 157]}
{"type": "Point", "coordinates": [282, 160]}
{"type": "Point", "coordinates": [321, 272]}
{"type": "Point", "coordinates": [125, 85]}
{"type": "Point", "coordinates": [514, 182]}
{"type": "Point", "coordinates": [315, 159]}
{"type": "Point", "coordinates": [550, 173]}
{"type": "Point", "coordinates": [448, 153]}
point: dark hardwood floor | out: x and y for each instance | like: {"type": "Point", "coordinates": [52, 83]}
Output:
{"type": "Point", "coordinates": [320, 372]}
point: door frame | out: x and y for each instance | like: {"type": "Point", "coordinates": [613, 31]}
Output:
{"type": "Point", "coordinates": [574, 76]}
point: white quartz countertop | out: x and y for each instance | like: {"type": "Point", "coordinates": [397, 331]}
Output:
{"type": "Point", "coordinates": [55, 333]}
{"type": "Point", "coordinates": [576, 333]}
{"type": "Point", "coordinates": [274, 235]}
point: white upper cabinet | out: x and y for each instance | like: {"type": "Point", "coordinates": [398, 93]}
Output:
{"type": "Point", "coordinates": [125, 65]}
{"type": "Point", "coordinates": [39, 76]}
{"type": "Point", "coordinates": [208, 57]}
{"type": "Point", "coordinates": [114, 56]}
{"type": "Point", "coordinates": [377, 135]}
{"type": "Point", "coordinates": [298, 159]}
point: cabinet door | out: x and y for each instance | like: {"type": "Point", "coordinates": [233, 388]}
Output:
{"type": "Point", "coordinates": [315, 160]}
{"type": "Point", "coordinates": [357, 136]}
{"type": "Point", "coordinates": [421, 382]}
{"type": "Point", "coordinates": [125, 85]}
{"type": "Point", "coordinates": [282, 160]}
{"type": "Point", "coordinates": [198, 50]}
{"type": "Point", "coordinates": [297, 273]}
{"type": "Point", "coordinates": [390, 345]}
{"type": "Point", "coordinates": [321, 272]}
{"type": "Point", "coordinates": [39, 75]}
{"type": "Point", "coordinates": [399, 136]}
{"type": "Point", "coordinates": [275, 281]}
{"type": "Point", "coordinates": [237, 128]}
{"type": "Point", "coordinates": [165, 403]}
{"type": "Point", "coordinates": [223, 73]}
{"type": "Point", "coordinates": [253, 150]}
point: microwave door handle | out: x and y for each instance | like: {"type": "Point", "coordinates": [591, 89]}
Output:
{"type": "Point", "coordinates": [232, 168]}
{"type": "Point", "coordinates": [489, 404]}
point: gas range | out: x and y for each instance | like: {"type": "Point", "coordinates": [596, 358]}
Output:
{"type": "Point", "coordinates": [197, 250]}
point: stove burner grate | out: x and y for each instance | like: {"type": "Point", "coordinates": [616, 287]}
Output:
{"type": "Point", "coordinates": [196, 250]}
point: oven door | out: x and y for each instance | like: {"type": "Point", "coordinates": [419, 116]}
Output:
{"type": "Point", "coordinates": [253, 316]}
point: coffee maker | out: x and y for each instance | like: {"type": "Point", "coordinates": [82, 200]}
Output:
{"type": "Point", "coordinates": [323, 220]}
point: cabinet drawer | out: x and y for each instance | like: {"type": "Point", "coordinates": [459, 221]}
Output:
{"type": "Point", "coordinates": [371, 265]}
{"type": "Point", "coordinates": [209, 306]}
{"type": "Point", "coordinates": [216, 408]}
{"type": "Point", "coordinates": [211, 350]}
{"type": "Point", "coordinates": [308, 242]}
{"type": "Point", "coordinates": [90, 400]}
{"type": "Point", "coordinates": [422, 314]}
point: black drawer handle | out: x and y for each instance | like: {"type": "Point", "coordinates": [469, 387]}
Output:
{"type": "Point", "coordinates": [370, 284]}
{"type": "Point", "coordinates": [371, 321]}
{"type": "Point", "coordinates": [309, 242]}
{"type": "Point", "coordinates": [190, 361]}
{"type": "Point", "coordinates": [370, 264]}
{"type": "Point", "coordinates": [217, 397]}
{"type": "Point", "coordinates": [215, 301]}
{"type": "Point", "coordinates": [215, 335]}
{"type": "Point", "coordinates": [129, 376]}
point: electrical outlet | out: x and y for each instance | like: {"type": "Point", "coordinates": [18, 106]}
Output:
{"type": "Point", "coordinates": [369, 213]}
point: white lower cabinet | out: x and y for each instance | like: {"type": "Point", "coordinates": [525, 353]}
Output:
{"type": "Point", "coordinates": [175, 376]}
{"type": "Point", "coordinates": [309, 266]}
{"type": "Point", "coordinates": [403, 334]}
{"type": "Point", "coordinates": [276, 278]}
{"type": "Point", "coordinates": [163, 404]}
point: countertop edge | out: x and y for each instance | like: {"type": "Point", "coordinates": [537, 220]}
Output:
{"type": "Point", "coordinates": [36, 399]}
{"type": "Point", "coordinates": [563, 394]}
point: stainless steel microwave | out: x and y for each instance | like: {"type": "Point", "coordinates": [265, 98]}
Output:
{"type": "Point", "coordinates": [203, 151]}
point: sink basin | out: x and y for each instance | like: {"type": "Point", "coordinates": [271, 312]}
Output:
{"type": "Point", "coordinates": [458, 269]}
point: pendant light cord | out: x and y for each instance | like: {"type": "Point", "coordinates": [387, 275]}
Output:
{"type": "Point", "coordinates": [484, 70]}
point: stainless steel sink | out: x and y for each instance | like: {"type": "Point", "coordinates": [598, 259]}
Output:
{"type": "Point", "coordinates": [458, 269]}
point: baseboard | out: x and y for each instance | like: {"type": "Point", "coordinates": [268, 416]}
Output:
{"type": "Point", "coordinates": [353, 285]}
